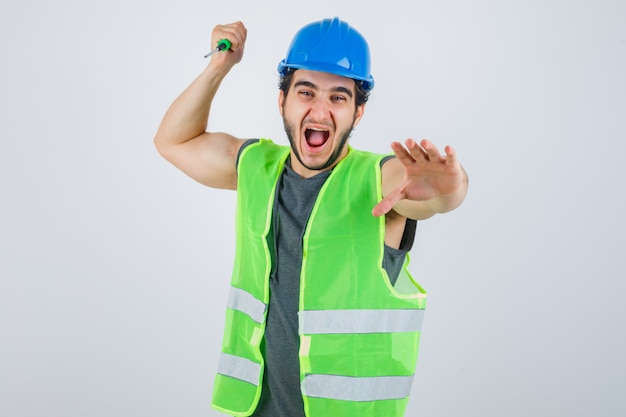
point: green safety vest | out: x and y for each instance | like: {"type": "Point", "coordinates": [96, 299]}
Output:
{"type": "Point", "coordinates": [359, 335]}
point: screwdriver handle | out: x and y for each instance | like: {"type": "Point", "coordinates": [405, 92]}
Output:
{"type": "Point", "coordinates": [224, 44]}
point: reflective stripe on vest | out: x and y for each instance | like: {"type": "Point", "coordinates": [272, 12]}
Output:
{"type": "Point", "coordinates": [357, 389]}
{"type": "Point", "coordinates": [245, 302]}
{"type": "Point", "coordinates": [239, 368]}
{"type": "Point", "coordinates": [360, 321]}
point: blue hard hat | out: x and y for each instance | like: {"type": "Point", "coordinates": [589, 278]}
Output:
{"type": "Point", "coordinates": [330, 45]}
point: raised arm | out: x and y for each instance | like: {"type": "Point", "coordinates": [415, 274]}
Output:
{"type": "Point", "coordinates": [183, 138]}
{"type": "Point", "coordinates": [421, 182]}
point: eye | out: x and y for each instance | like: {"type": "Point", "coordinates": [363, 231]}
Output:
{"type": "Point", "coordinates": [338, 98]}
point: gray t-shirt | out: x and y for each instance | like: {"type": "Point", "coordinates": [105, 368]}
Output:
{"type": "Point", "coordinates": [295, 197]}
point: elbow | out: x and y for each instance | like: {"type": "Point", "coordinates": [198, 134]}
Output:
{"type": "Point", "coordinates": [160, 145]}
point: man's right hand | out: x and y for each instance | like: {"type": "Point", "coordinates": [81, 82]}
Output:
{"type": "Point", "coordinates": [236, 33]}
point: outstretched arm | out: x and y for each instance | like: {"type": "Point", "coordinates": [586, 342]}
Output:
{"type": "Point", "coordinates": [182, 137]}
{"type": "Point", "coordinates": [421, 182]}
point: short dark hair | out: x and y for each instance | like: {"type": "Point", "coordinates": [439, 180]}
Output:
{"type": "Point", "coordinates": [361, 95]}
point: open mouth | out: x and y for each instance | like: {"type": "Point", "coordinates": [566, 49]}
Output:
{"type": "Point", "coordinates": [316, 138]}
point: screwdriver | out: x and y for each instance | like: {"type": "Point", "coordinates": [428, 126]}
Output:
{"type": "Point", "coordinates": [222, 45]}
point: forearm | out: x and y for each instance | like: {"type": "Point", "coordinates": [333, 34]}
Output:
{"type": "Point", "coordinates": [188, 115]}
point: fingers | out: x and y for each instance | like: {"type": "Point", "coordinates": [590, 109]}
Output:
{"type": "Point", "coordinates": [451, 158]}
{"type": "Point", "coordinates": [386, 204]}
{"type": "Point", "coordinates": [412, 152]}
{"type": "Point", "coordinates": [402, 153]}
{"type": "Point", "coordinates": [431, 150]}
{"type": "Point", "coordinates": [426, 150]}
{"type": "Point", "coordinates": [409, 152]}
{"type": "Point", "coordinates": [235, 32]}
{"type": "Point", "coordinates": [417, 150]}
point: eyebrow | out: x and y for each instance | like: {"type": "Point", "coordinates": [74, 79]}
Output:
{"type": "Point", "coordinates": [309, 84]}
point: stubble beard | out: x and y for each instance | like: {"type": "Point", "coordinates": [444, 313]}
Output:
{"type": "Point", "coordinates": [334, 157]}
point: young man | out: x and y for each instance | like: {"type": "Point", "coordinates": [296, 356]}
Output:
{"type": "Point", "coordinates": [323, 318]}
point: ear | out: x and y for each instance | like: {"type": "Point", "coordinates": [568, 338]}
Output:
{"type": "Point", "coordinates": [358, 114]}
{"type": "Point", "coordinates": [281, 100]}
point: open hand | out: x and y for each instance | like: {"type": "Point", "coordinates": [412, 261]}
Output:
{"type": "Point", "coordinates": [428, 177]}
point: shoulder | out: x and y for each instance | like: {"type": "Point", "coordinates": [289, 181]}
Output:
{"type": "Point", "coordinates": [261, 148]}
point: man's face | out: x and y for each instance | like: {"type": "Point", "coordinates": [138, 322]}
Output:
{"type": "Point", "coordinates": [319, 113]}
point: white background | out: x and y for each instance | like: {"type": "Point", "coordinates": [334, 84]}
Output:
{"type": "Point", "coordinates": [115, 266]}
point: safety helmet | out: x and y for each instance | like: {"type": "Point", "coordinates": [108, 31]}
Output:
{"type": "Point", "coordinates": [330, 45]}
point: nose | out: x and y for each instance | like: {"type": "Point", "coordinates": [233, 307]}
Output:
{"type": "Point", "coordinates": [319, 110]}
